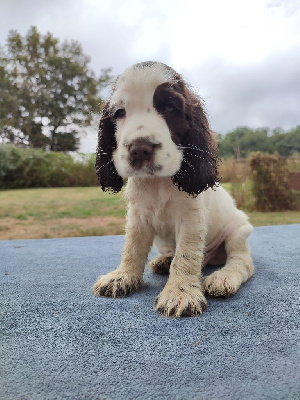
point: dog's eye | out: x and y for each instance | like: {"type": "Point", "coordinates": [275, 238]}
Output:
{"type": "Point", "coordinates": [120, 113]}
{"type": "Point", "coordinates": [169, 107]}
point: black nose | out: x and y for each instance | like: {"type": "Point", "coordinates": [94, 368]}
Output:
{"type": "Point", "coordinates": [140, 150]}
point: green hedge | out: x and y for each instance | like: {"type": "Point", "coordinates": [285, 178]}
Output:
{"type": "Point", "coordinates": [29, 168]}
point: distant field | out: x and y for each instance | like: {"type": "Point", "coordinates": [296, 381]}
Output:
{"type": "Point", "coordinates": [60, 212]}
{"type": "Point", "coordinates": [68, 212]}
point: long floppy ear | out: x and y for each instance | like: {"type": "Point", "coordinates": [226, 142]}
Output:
{"type": "Point", "coordinates": [107, 174]}
{"type": "Point", "coordinates": [198, 170]}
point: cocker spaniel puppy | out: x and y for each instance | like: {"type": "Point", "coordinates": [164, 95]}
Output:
{"type": "Point", "coordinates": [154, 132]}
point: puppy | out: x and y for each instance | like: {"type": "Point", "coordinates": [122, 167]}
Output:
{"type": "Point", "coordinates": [154, 133]}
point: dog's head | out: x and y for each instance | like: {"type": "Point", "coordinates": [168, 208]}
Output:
{"type": "Point", "coordinates": [154, 125]}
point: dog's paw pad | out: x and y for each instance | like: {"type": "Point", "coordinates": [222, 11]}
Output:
{"type": "Point", "coordinates": [161, 265]}
{"type": "Point", "coordinates": [219, 284]}
{"type": "Point", "coordinates": [116, 285]}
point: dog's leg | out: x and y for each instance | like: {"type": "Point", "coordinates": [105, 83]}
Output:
{"type": "Point", "coordinates": [183, 294]}
{"type": "Point", "coordinates": [129, 276]}
{"type": "Point", "coordinates": [239, 266]}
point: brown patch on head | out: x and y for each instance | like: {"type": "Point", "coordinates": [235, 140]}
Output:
{"type": "Point", "coordinates": [189, 129]}
{"type": "Point", "coordinates": [170, 102]}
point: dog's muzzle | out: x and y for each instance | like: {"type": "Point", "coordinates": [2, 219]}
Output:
{"type": "Point", "coordinates": [142, 154]}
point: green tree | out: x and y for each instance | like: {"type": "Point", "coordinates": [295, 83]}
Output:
{"type": "Point", "coordinates": [47, 90]}
{"type": "Point", "coordinates": [243, 140]}
{"type": "Point", "coordinates": [286, 144]}
{"type": "Point", "coordinates": [8, 102]}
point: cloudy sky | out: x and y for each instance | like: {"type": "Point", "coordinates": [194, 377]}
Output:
{"type": "Point", "coordinates": [243, 56]}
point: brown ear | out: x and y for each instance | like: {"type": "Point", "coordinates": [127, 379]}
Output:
{"type": "Point", "coordinates": [107, 174]}
{"type": "Point", "coordinates": [198, 170]}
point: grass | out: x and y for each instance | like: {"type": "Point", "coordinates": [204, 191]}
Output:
{"type": "Point", "coordinates": [67, 212]}
{"type": "Point", "coordinates": [60, 212]}
{"type": "Point", "coordinates": [274, 218]}
{"type": "Point", "coordinates": [51, 203]}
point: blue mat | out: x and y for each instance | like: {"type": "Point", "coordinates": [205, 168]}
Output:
{"type": "Point", "coordinates": [57, 341]}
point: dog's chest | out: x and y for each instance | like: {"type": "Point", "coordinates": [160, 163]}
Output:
{"type": "Point", "coordinates": [155, 205]}
{"type": "Point", "coordinates": [160, 214]}
{"type": "Point", "coordinates": [163, 220]}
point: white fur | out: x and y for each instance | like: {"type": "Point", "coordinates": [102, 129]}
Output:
{"type": "Point", "coordinates": [180, 226]}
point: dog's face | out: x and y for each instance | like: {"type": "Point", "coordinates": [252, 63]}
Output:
{"type": "Point", "coordinates": [138, 107]}
{"type": "Point", "coordinates": [153, 125]}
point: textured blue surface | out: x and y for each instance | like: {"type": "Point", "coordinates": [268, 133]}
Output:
{"type": "Point", "coordinates": [57, 341]}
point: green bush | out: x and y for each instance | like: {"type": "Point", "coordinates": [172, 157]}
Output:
{"type": "Point", "coordinates": [29, 168]}
{"type": "Point", "coordinates": [270, 183]}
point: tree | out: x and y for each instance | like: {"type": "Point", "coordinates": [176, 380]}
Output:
{"type": "Point", "coordinates": [286, 144]}
{"type": "Point", "coordinates": [240, 142]}
{"type": "Point", "coordinates": [47, 91]}
{"type": "Point", "coordinates": [8, 102]}
{"type": "Point", "coordinates": [243, 140]}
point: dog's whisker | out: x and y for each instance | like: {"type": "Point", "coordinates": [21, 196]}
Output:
{"type": "Point", "coordinates": [183, 171]}
{"type": "Point", "coordinates": [194, 155]}
{"type": "Point", "coordinates": [201, 158]}
{"type": "Point", "coordinates": [195, 148]}
{"type": "Point", "coordinates": [104, 165]}
{"type": "Point", "coordinates": [113, 169]}
{"type": "Point", "coordinates": [187, 162]}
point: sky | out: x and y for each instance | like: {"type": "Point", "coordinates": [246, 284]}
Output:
{"type": "Point", "coordinates": [242, 56]}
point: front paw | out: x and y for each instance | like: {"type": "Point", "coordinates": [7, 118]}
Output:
{"type": "Point", "coordinates": [181, 300]}
{"type": "Point", "coordinates": [116, 284]}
